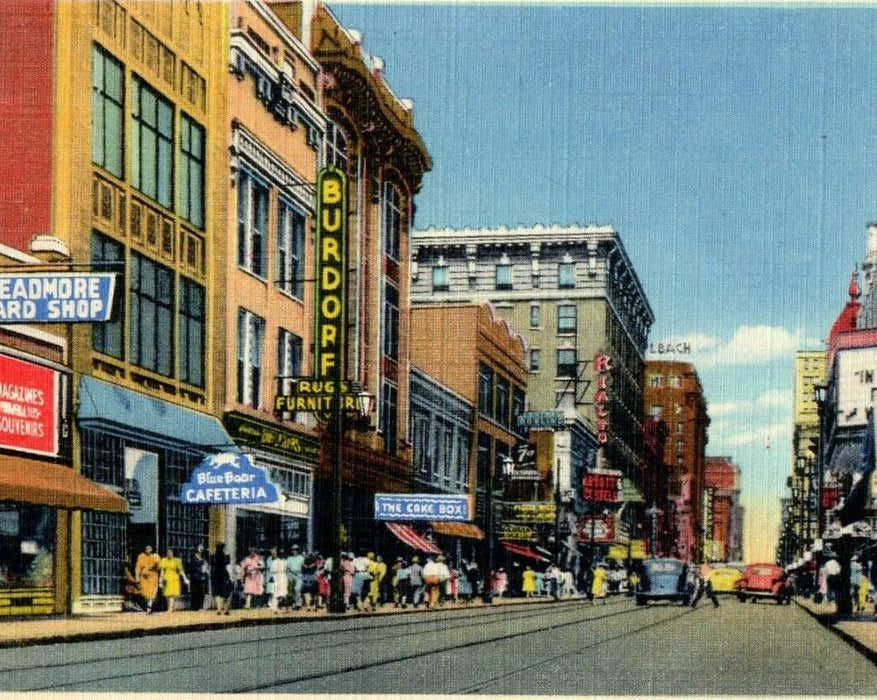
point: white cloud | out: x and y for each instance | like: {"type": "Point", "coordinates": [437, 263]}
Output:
{"type": "Point", "coordinates": [751, 345]}
{"type": "Point", "coordinates": [783, 398]}
{"type": "Point", "coordinates": [726, 408]}
{"type": "Point", "coordinates": [724, 435]}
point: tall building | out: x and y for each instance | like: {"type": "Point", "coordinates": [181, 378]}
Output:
{"type": "Point", "coordinates": [674, 396]}
{"type": "Point", "coordinates": [574, 296]}
{"type": "Point", "coordinates": [723, 514]}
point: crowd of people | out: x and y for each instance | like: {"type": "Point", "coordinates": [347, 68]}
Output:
{"type": "Point", "coordinates": [298, 580]}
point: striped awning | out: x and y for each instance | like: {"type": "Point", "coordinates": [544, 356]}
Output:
{"type": "Point", "coordinates": [412, 539]}
{"type": "Point", "coordinates": [453, 529]}
{"type": "Point", "coordinates": [522, 551]}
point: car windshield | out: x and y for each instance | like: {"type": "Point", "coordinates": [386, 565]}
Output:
{"type": "Point", "coordinates": [762, 571]}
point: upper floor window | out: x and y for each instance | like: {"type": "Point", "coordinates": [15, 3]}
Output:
{"type": "Point", "coordinates": [502, 400]}
{"type": "Point", "coordinates": [534, 359]}
{"type": "Point", "coordinates": [290, 250]}
{"type": "Point", "coordinates": [151, 324]}
{"type": "Point", "coordinates": [289, 355]}
{"type": "Point", "coordinates": [107, 255]}
{"type": "Point", "coordinates": [535, 316]}
{"type": "Point", "coordinates": [389, 416]}
{"type": "Point", "coordinates": [566, 362]}
{"type": "Point", "coordinates": [192, 325]}
{"type": "Point", "coordinates": [336, 147]}
{"type": "Point", "coordinates": [519, 401]}
{"type": "Point", "coordinates": [675, 381]}
{"type": "Point", "coordinates": [391, 218]}
{"type": "Point", "coordinates": [566, 318]}
{"type": "Point", "coordinates": [107, 109]}
{"type": "Point", "coordinates": [191, 171]}
{"type": "Point", "coordinates": [251, 338]}
{"type": "Point", "coordinates": [566, 275]}
{"type": "Point", "coordinates": [390, 338]}
{"type": "Point", "coordinates": [152, 138]}
{"type": "Point", "coordinates": [252, 223]}
{"type": "Point", "coordinates": [485, 390]}
{"type": "Point", "coordinates": [656, 381]}
{"type": "Point", "coordinates": [503, 275]}
{"type": "Point", "coordinates": [440, 278]}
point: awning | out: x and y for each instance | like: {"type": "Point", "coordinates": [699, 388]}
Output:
{"type": "Point", "coordinates": [131, 413]}
{"type": "Point", "coordinates": [457, 529]}
{"type": "Point", "coordinates": [522, 551]}
{"type": "Point", "coordinates": [412, 539]}
{"type": "Point", "coordinates": [48, 484]}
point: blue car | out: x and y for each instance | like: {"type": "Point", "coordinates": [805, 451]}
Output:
{"type": "Point", "coordinates": [665, 579]}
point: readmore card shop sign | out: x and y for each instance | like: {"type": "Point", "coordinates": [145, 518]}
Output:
{"type": "Point", "coordinates": [229, 478]}
{"type": "Point", "coordinates": [70, 297]}
{"type": "Point", "coordinates": [28, 407]}
{"type": "Point", "coordinates": [422, 507]}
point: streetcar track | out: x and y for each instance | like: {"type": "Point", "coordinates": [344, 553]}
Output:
{"type": "Point", "coordinates": [499, 615]}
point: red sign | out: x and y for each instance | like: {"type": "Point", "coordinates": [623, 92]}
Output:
{"type": "Point", "coordinates": [830, 497]}
{"type": "Point", "coordinates": [28, 407]}
{"type": "Point", "coordinates": [602, 366]}
{"type": "Point", "coordinates": [600, 529]}
{"type": "Point", "coordinates": [603, 487]}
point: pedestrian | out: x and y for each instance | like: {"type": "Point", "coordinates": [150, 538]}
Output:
{"type": "Point", "coordinates": [294, 563]}
{"type": "Point", "coordinates": [361, 580]}
{"type": "Point", "coordinates": [502, 582]}
{"type": "Point", "coordinates": [199, 574]}
{"type": "Point", "coordinates": [474, 576]}
{"type": "Point", "coordinates": [347, 572]}
{"type": "Point", "coordinates": [464, 585]}
{"type": "Point", "coordinates": [704, 585]}
{"type": "Point", "coordinates": [172, 575]}
{"type": "Point", "coordinates": [324, 571]}
{"type": "Point", "coordinates": [862, 591]}
{"type": "Point", "coordinates": [431, 581]}
{"type": "Point", "coordinates": [252, 573]}
{"type": "Point", "coordinates": [220, 580]}
{"type": "Point", "coordinates": [528, 582]}
{"type": "Point", "coordinates": [309, 581]}
{"type": "Point", "coordinates": [832, 578]}
{"type": "Point", "coordinates": [598, 584]}
{"type": "Point", "coordinates": [278, 581]}
{"type": "Point", "coordinates": [415, 581]}
{"type": "Point", "coordinates": [377, 570]}
{"type": "Point", "coordinates": [146, 575]}
{"type": "Point", "coordinates": [401, 578]}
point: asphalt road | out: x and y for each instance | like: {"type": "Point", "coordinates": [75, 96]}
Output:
{"type": "Point", "coordinates": [567, 648]}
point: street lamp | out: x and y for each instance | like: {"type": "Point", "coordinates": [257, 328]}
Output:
{"type": "Point", "coordinates": [653, 514]}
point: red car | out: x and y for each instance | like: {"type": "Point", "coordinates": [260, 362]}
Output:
{"type": "Point", "coordinates": [763, 581]}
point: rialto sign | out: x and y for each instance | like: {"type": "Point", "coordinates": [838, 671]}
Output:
{"type": "Point", "coordinates": [602, 366]}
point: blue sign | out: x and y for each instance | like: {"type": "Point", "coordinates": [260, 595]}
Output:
{"type": "Point", "coordinates": [56, 297]}
{"type": "Point", "coordinates": [422, 507]}
{"type": "Point", "coordinates": [228, 478]}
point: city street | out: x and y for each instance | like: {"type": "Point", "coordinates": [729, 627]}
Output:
{"type": "Point", "coordinates": [568, 648]}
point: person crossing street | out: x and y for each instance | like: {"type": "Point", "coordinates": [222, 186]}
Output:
{"type": "Point", "coordinates": [704, 585]}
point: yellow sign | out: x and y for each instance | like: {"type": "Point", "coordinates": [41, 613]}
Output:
{"type": "Point", "coordinates": [619, 552]}
{"type": "Point", "coordinates": [518, 533]}
{"type": "Point", "coordinates": [530, 512]}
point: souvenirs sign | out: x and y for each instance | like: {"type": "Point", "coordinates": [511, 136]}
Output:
{"type": "Point", "coordinates": [229, 478]}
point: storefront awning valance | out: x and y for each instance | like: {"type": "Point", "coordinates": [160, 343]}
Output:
{"type": "Point", "coordinates": [412, 539]}
{"type": "Point", "coordinates": [522, 551]}
{"type": "Point", "coordinates": [48, 484]}
{"type": "Point", "coordinates": [457, 529]}
{"type": "Point", "coordinates": [129, 412]}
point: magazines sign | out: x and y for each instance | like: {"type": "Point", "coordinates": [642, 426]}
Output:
{"type": "Point", "coordinates": [28, 407]}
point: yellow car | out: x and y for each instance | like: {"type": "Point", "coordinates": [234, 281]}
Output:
{"type": "Point", "coordinates": [723, 579]}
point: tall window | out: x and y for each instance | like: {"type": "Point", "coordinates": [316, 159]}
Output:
{"type": "Point", "coordinates": [440, 278]}
{"type": "Point", "coordinates": [252, 223]}
{"type": "Point", "coordinates": [107, 255]}
{"type": "Point", "coordinates": [503, 279]}
{"type": "Point", "coordinates": [152, 139]}
{"type": "Point", "coordinates": [151, 326]}
{"type": "Point", "coordinates": [192, 323]}
{"type": "Point", "coordinates": [566, 275]}
{"type": "Point", "coordinates": [534, 359]}
{"type": "Point", "coordinates": [289, 354]}
{"type": "Point", "coordinates": [566, 363]}
{"type": "Point", "coordinates": [535, 316]}
{"type": "Point", "coordinates": [290, 250]}
{"type": "Point", "coordinates": [389, 416]}
{"type": "Point", "coordinates": [519, 401]}
{"type": "Point", "coordinates": [502, 400]}
{"type": "Point", "coordinates": [191, 171]}
{"type": "Point", "coordinates": [485, 390]}
{"type": "Point", "coordinates": [391, 216]}
{"type": "Point", "coordinates": [107, 109]}
{"type": "Point", "coordinates": [251, 335]}
{"type": "Point", "coordinates": [566, 318]}
{"type": "Point", "coordinates": [390, 342]}
{"type": "Point", "coordinates": [336, 147]}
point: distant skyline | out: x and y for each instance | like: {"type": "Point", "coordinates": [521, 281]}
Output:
{"type": "Point", "coordinates": [730, 146]}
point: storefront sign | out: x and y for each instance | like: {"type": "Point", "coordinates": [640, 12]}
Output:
{"type": "Point", "coordinates": [830, 497]}
{"type": "Point", "coordinates": [541, 420]}
{"type": "Point", "coordinates": [28, 407]}
{"type": "Point", "coordinates": [525, 456]}
{"type": "Point", "coordinates": [602, 366]}
{"type": "Point", "coordinates": [229, 478]}
{"type": "Point", "coordinates": [311, 395]}
{"type": "Point", "coordinates": [600, 529]}
{"type": "Point", "coordinates": [141, 486]}
{"type": "Point", "coordinates": [423, 507]}
{"type": "Point", "coordinates": [602, 486]}
{"type": "Point", "coordinates": [51, 297]}
{"type": "Point", "coordinates": [330, 298]}
{"type": "Point", "coordinates": [247, 431]}
{"type": "Point", "coordinates": [529, 512]}
{"type": "Point", "coordinates": [520, 533]}
{"type": "Point", "coordinates": [620, 552]}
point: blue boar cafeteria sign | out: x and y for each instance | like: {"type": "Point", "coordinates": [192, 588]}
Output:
{"type": "Point", "coordinates": [229, 478]}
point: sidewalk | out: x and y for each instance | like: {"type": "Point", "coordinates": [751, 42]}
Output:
{"type": "Point", "coordinates": [21, 631]}
{"type": "Point", "coordinates": [859, 629]}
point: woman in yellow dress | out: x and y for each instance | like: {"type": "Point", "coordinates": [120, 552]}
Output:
{"type": "Point", "coordinates": [172, 573]}
{"type": "Point", "coordinates": [528, 584]}
{"type": "Point", "coordinates": [146, 575]}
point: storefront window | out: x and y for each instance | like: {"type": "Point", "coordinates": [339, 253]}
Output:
{"type": "Point", "coordinates": [27, 543]}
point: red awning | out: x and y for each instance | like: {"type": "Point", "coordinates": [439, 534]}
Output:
{"type": "Point", "coordinates": [522, 551]}
{"type": "Point", "coordinates": [412, 539]}
{"type": "Point", "coordinates": [454, 529]}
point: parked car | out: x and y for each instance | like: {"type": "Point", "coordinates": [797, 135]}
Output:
{"type": "Point", "coordinates": [764, 581]}
{"type": "Point", "coordinates": [724, 578]}
{"type": "Point", "coordinates": [665, 579]}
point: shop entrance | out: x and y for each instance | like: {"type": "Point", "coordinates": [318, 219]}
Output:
{"type": "Point", "coordinates": [141, 492]}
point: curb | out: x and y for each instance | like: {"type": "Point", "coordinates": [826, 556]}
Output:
{"type": "Point", "coordinates": [828, 622]}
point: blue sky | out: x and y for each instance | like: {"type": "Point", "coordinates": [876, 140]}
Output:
{"type": "Point", "coordinates": [732, 147]}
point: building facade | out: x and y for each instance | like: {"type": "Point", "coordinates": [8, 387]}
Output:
{"type": "Point", "coordinates": [574, 296]}
{"type": "Point", "coordinates": [674, 395]}
{"type": "Point", "coordinates": [723, 512]}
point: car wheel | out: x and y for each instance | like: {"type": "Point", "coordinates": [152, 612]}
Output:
{"type": "Point", "coordinates": [686, 601]}
{"type": "Point", "coordinates": [741, 598]}
{"type": "Point", "coordinates": [754, 599]}
{"type": "Point", "coordinates": [640, 600]}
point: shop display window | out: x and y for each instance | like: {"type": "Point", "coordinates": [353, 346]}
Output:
{"type": "Point", "coordinates": [27, 543]}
